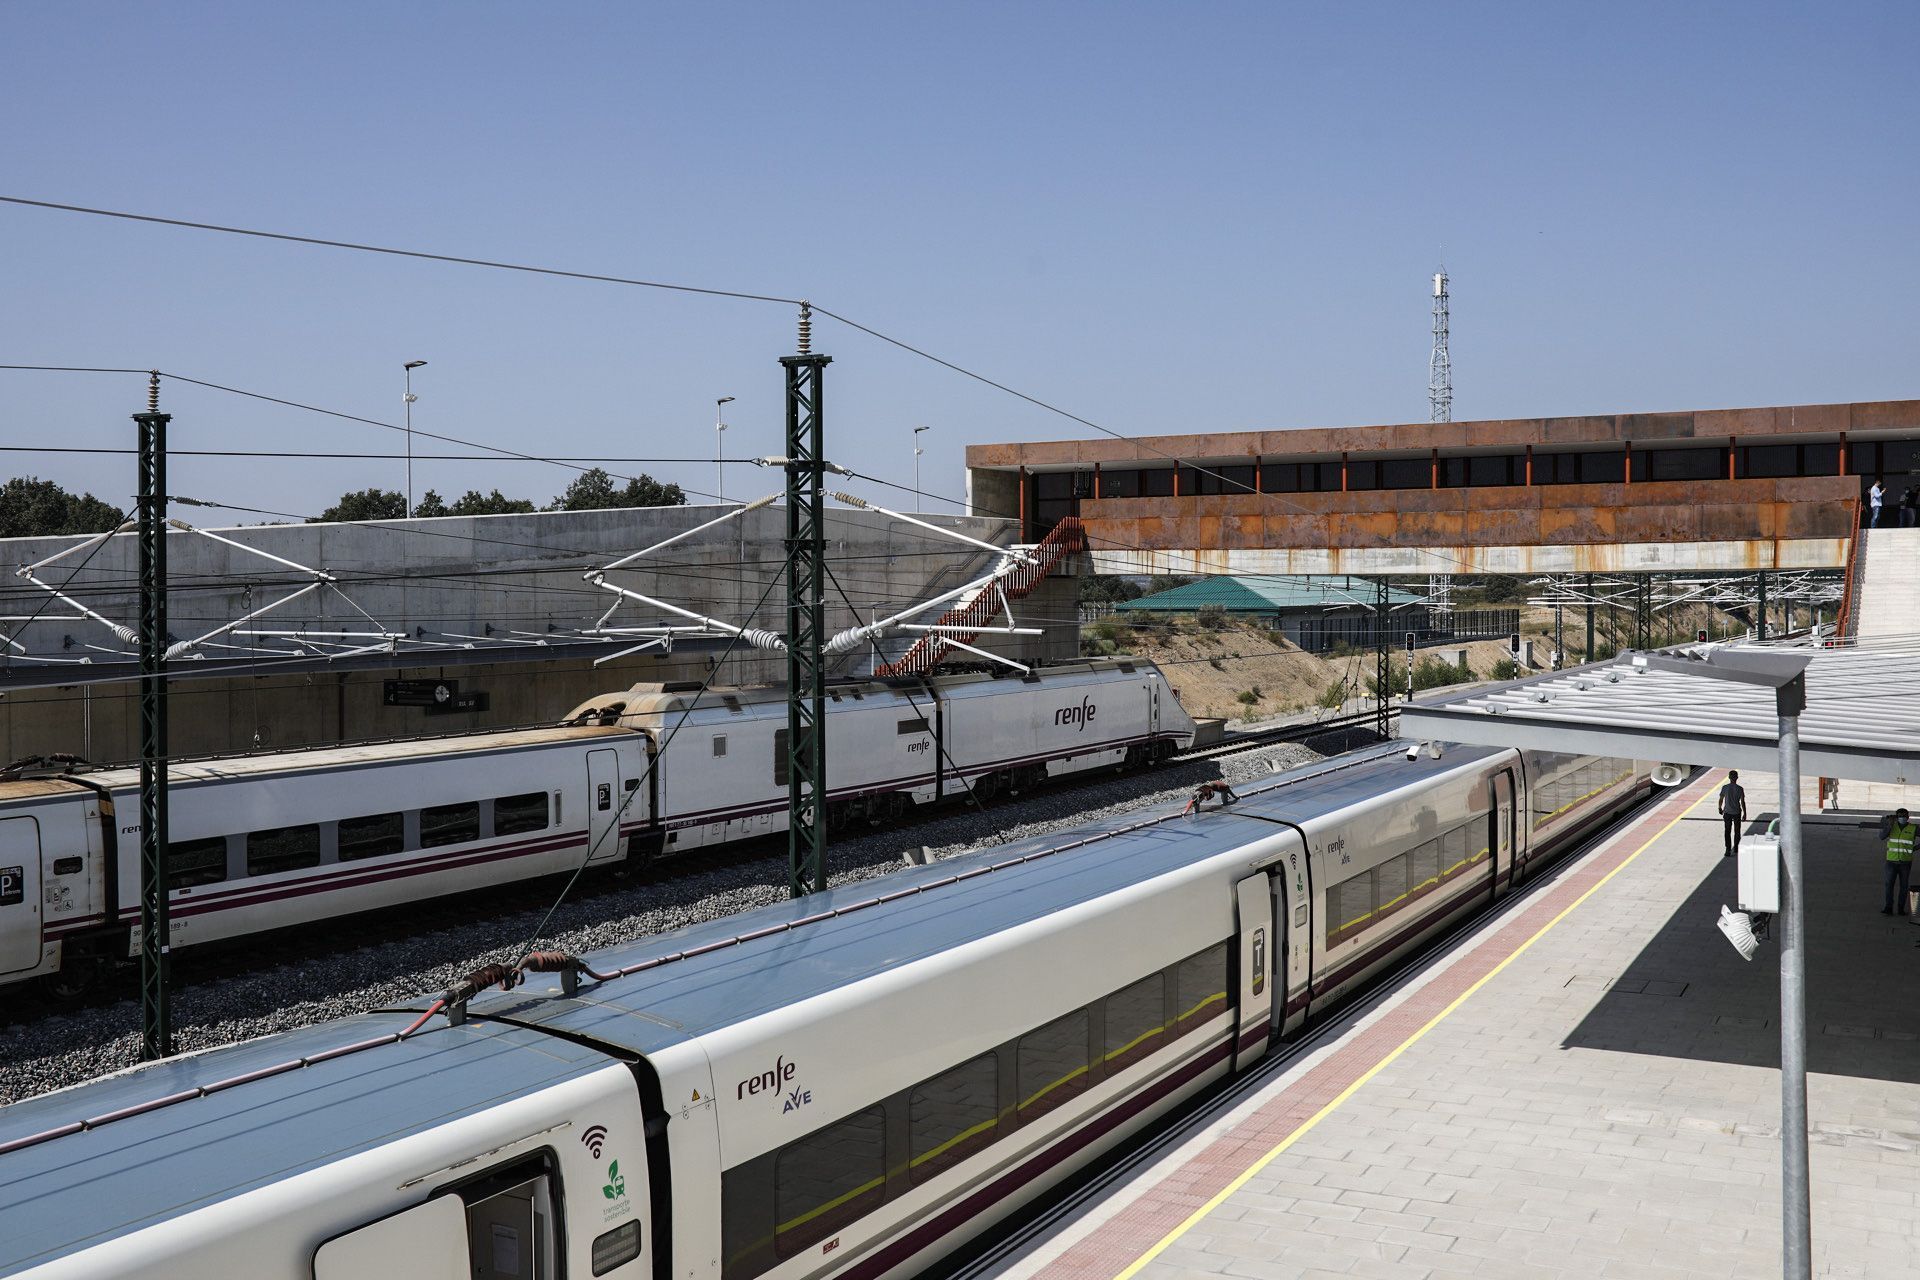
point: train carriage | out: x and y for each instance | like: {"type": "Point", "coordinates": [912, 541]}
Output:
{"type": "Point", "coordinates": [276, 840]}
{"type": "Point", "coordinates": [843, 1086]}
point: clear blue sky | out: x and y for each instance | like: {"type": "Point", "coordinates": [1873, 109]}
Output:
{"type": "Point", "coordinates": [1163, 217]}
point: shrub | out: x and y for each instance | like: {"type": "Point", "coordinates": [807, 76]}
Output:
{"type": "Point", "coordinates": [1505, 669]}
{"type": "Point", "coordinates": [1333, 695]}
{"type": "Point", "coordinates": [1213, 617]}
{"type": "Point", "coordinates": [1247, 697]}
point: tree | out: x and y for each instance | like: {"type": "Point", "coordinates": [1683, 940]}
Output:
{"type": "Point", "coordinates": [34, 508]}
{"type": "Point", "coordinates": [430, 506]}
{"type": "Point", "coordinates": [474, 503]}
{"type": "Point", "coordinates": [366, 504]}
{"type": "Point", "coordinates": [593, 490]}
{"type": "Point", "coordinates": [1102, 588]}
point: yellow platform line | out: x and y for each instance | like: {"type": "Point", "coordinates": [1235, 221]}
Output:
{"type": "Point", "coordinates": [1160, 1246]}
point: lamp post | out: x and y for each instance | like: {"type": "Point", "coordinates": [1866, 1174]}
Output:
{"type": "Point", "coordinates": [409, 367]}
{"type": "Point", "coordinates": [917, 451]}
{"type": "Point", "coordinates": [720, 447]}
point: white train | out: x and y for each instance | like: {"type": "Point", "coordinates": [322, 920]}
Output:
{"type": "Point", "coordinates": [844, 1086]}
{"type": "Point", "coordinates": [265, 842]}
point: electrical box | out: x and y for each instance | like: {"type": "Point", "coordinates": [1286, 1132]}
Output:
{"type": "Point", "coordinates": [1759, 862]}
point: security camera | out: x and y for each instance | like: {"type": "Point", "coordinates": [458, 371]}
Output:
{"type": "Point", "coordinates": [1413, 751]}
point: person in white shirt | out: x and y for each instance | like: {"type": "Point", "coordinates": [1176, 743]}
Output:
{"type": "Point", "coordinates": [1875, 496]}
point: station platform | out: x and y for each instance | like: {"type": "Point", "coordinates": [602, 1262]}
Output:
{"type": "Point", "coordinates": [1586, 1087]}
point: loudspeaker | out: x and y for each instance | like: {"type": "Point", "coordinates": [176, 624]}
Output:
{"type": "Point", "coordinates": [1669, 775]}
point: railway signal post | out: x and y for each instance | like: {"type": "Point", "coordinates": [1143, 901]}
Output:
{"type": "Point", "coordinates": [806, 618]}
{"type": "Point", "coordinates": [156, 1018]}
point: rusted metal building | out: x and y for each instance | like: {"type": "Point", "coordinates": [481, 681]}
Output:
{"type": "Point", "coordinates": [1709, 490]}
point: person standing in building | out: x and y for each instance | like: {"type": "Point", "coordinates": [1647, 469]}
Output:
{"type": "Point", "coordinates": [1900, 834]}
{"type": "Point", "coordinates": [1876, 496]}
{"type": "Point", "coordinates": [1908, 501]}
{"type": "Point", "coordinates": [1733, 811]}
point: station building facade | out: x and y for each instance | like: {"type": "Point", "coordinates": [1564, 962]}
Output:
{"type": "Point", "coordinates": [1728, 489]}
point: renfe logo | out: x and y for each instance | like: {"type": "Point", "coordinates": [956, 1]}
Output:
{"type": "Point", "coordinates": [1080, 716]}
{"type": "Point", "coordinates": [769, 1080]}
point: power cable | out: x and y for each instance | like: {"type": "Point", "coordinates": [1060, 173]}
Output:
{"type": "Point", "coordinates": [398, 253]}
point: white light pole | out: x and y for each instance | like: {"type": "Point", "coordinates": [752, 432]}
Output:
{"type": "Point", "coordinates": [720, 447]}
{"type": "Point", "coordinates": [409, 367]}
{"type": "Point", "coordinates": [917, 451]}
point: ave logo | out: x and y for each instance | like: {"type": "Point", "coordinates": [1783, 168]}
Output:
{"type": "Point", "coordinates": [796, 1099]}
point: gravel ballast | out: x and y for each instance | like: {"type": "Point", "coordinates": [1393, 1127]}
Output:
{"type": "Point", "coordinates": [222, 999]}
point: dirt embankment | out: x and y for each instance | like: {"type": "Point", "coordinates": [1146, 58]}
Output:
{"type": "Point", "coordinates": [1247, 673]}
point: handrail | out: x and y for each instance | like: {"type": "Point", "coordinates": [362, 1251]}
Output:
{"type": "Point", "coordinates": [964, 622]}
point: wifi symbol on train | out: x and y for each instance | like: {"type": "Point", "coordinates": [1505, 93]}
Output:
{"type": "Point", "coordinates": [594, 1139]}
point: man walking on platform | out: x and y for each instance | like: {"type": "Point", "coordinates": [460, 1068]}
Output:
{"type": "Point", "coordinates": [1733, 811]}
{"type": "Point", "coordinates": [1900, 835]}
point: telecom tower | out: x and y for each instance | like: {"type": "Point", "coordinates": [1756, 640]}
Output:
{"type": "Point", "coordinates": [1440, 406]}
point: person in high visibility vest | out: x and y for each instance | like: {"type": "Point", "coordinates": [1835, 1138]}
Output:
{"type": "Point", "coordinates": [1900, 837]}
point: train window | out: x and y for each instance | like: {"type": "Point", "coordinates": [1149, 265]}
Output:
{"type": "Point", "coordinates": [449, 824]}
{"type": "Point", "coordinates": [370, 837]}
{"type": "Point", "coordinates": [779, 757]}
{"type": "Point", "coordinates": [952, 1116]}
{"type": "Point", "coordinates": [719, 745]}
{"type": "Point", "coordinates": [1136, 1016]}
{"type": "Point", "coordinates": [829, 1178]}
{"type": "Point", "coordinates": [1051, 1068]}
{"type": "Point", "coordinates": [283, 849]}
{"type": "Point", "coordinates": [1390, 884]}
{"type": "Point", "coordinates": [1423, 865]}
{"type": "Point", "coordinates": [1455, 846]}
{"type": "Point", "coordinates": [1349, 907]}
{"type": "Point", "coordinates": [192, 862]}
{"type": "Point", "coordinates": [906, 727]}
{"type": "Point", "coordinates": [513, 815]}
{"type": "Point", "coordinates": [1200, 988]}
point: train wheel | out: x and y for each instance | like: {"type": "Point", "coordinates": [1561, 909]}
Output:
{"type": "Point", "coordinates": [78, 976]}
{"type": "Point", "coordinates": [986, 786]}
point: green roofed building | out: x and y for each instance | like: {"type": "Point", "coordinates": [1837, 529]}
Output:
{"type": "Point", "coordinates": [1317, 613]}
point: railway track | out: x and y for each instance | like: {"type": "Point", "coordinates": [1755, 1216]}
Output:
{"type": "Point", "coordinates": [1238, 742]}
{"type": "Point", "coordinates": [316, 944]}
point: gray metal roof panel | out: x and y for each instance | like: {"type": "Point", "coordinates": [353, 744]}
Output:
{"type": "Point", "coordinates": [1862, 718]}
{"type": "Point", "coordinates": [959, 902]}
{"type": "Point", "coordinates": [76, 1190]}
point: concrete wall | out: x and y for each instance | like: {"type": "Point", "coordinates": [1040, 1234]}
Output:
{"type": "Point", "coordinates": [450, 577]}
{"type": "Point", "coordinates": [1868, 419]}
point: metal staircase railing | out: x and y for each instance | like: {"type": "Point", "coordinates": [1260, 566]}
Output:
{"type": "Point", "coordinates": [974, 613]}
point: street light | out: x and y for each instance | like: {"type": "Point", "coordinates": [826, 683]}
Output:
{"type": "Point", "coordinates": [409, 367]}
{"type": "Point", "coordinates": [720, 447]}
{"type": "Point", "coordinates": [917, 451]}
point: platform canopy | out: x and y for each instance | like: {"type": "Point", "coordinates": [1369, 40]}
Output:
{"type": "Point", "coordinates": [1861, 722]}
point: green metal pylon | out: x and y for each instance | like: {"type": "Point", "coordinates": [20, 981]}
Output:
{"type": "Point", "coordinates": [806, 619]}
{"type": "Point", "coordinates": [156, 1017]}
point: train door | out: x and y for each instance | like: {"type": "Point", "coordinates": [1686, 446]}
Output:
{"type": "Point", "coordinates": [1253, 902]}
{"type": "Point", "coordinates": [19, 894]}
{"type": "Point", "coordinates": [1500, 834]}
{"type": "Point", "coordinates": [604, 799]}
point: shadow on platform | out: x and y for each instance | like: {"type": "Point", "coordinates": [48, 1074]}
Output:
{"type": "Point", "coordinates": [1688, 994]}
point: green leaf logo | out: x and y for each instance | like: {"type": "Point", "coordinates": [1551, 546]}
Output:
{"type": "Point", "coordinates": [616, 1185]}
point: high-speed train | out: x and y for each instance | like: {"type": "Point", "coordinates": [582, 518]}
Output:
{"type": "Point", "coordinates": [847, 1085]}
{"type": "Point", "coordinates": [266, 842]}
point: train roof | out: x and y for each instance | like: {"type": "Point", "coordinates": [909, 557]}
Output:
{"type": "Point", "coordinates": [728, 971]}
{"type": "Point", "coordinates": [307, 759]}
{"type": "Point", "coordinates": [75, 1191]}
{"type": "Point", "coordinates": [667, 699]}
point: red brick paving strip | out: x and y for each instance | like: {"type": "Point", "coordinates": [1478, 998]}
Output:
{"type": "Point", "coordinates": [1116, 1243]}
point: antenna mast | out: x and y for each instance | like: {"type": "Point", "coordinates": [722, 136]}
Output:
{"type": "Point", "coordinates": [1440, 408]}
